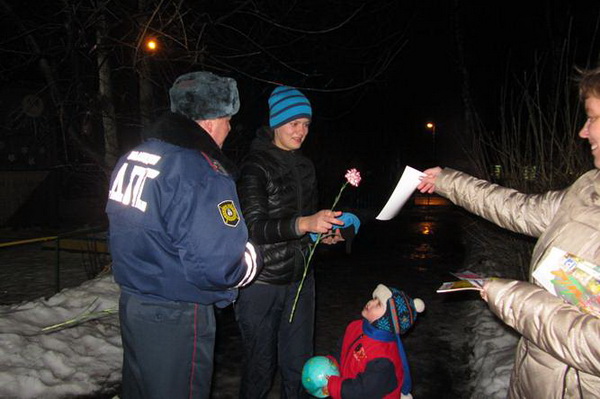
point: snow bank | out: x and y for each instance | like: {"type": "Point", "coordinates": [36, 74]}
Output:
{"type": "Point", "coordinates": [493, 253]}
{"type": "Point", "coordinates": [85, 360]}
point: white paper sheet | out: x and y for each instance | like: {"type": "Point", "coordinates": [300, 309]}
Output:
{"type": "Point", "coordinates": [404, 189]}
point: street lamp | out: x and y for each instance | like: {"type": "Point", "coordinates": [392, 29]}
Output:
{"type": "Point", "coordinates": [151, 45]}
{"type": "Point", "coordinates": [431, 126]}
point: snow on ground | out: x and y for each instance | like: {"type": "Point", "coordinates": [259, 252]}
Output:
{"type": "Point", "coordinates": [85, 360]}
{"type": "Point", "coordinates": [65, 363]}
{"type": "Point", "coordinates": [494, 253]}
{"type": "Point", "coordinates": [493, 347]}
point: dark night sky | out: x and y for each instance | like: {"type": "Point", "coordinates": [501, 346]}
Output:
{"type": "Point", "coordinates": [423, 82]}
{"type": "Point", "coordinates": [496, 38]}
{"type": "Point", "coordinates": [386, 125]}
{"type": "Point", "coordinates": [501, 43]}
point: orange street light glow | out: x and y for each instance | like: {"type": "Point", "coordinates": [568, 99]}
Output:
{"type": "Point", "coordinates": [151, 44]}
{"type": "Point", "coordinates": [430, 125]}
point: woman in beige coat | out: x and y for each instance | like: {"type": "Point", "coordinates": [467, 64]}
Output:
{"type": "Point", "coordinates": [558, 355]}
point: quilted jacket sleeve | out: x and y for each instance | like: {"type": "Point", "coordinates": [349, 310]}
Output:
{"type": "Point", "coordinates": [253, 193]}
{"type": "Point", "coordinates": [528, 214]}
{"type": "Point", "coordinates": [556, 327]}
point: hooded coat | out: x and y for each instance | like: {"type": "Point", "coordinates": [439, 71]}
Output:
{"type": "Point", "coordinates": [558, 355]}
{"type": "Point", "coordinates": [276, 187]}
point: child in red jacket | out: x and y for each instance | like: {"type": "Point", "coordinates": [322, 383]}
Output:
{"type": "Point", "coordinates": [372, 363]}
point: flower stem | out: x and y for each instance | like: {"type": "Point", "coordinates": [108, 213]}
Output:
{"type": "Point", "coordinates": [338, 196]}
{"type": "Point", "coordinates": [310, 255]}
{"type": "Point", "coordinates": [82, 318]}
{"type": "Point", "coordinates": [306, 263]}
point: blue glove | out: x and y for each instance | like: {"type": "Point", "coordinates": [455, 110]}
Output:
{"type": "Point", "coordinates": [350, 220]}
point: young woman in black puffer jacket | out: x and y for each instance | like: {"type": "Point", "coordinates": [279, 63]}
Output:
{"type": "Point", "coordinates": [278, 194]}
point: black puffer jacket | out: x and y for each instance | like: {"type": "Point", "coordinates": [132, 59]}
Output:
{"type": "Point", "coordinates": [275, 188]}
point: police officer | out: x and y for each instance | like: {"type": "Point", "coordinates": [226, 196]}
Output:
{"type": "Point", "coordinates": [178, 241]}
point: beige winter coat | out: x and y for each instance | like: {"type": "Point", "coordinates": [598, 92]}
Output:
{"type": "Point", "coordinates": [558, 355]}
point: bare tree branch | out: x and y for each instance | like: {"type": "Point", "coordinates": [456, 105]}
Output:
{"type": "Point", "coordinates": [259, 42]}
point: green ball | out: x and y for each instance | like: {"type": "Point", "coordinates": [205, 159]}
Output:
{"type": "Point", "coordinates": [315, 373]}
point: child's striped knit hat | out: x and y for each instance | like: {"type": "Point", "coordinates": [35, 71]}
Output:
{"type": "Point", "coordinates": [287, 104]}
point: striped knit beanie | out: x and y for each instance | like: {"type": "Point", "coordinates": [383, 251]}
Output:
{"type": "Point", "coordinates": [401, 311]}
{"type": "Point", "coordinates": [287, 104]}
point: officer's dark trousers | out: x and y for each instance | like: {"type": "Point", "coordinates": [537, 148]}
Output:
{"type": "Point", "coordinates": [168, 348]}
{"type": "Point", "coordinates": [269, 339]}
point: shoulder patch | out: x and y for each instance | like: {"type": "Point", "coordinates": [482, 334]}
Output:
{"type": "Point", "coordinates": [229, 213]}
{"type": "Point", "coordinates": [215, 165]}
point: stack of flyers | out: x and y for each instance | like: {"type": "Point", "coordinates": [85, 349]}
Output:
{"type": "Point", "coordinates": [571, 278]}
{"type": "Point", "coordinates": [468, 281]}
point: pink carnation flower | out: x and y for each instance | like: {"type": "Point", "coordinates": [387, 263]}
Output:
{"type": "Point", "coordinates": [353, 177]}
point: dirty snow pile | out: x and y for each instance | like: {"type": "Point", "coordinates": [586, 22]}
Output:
{"type": "Point", "coordinates": [493, 253]}
{"type": "Point", "coordinates": [61, 362]}
{"type": "Point", "coordinates": [493, 345]}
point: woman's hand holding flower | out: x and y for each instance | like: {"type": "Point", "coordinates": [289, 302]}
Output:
{"type": "Point", "coordinates": [320, 222]}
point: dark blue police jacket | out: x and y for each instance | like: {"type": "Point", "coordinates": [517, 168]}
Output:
{"type": "Point", "coordinates": [176, 231]}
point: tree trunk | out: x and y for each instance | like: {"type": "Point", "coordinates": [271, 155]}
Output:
{"type": "Point", "coordinates": [105, 97]}
{"type": "Point", "coordinates": [146, 93]}
{"type": "Point", "coordinates": [144, 78]}
{"type": "Point", "coordinates": [466, 90]}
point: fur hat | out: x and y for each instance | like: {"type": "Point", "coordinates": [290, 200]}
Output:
{"type": "Point", "coordinates": [401, 311]}
{"type": "Point", "coordinates": [203, 95]}
{"type": "Point", "coordinates": [287, 104]}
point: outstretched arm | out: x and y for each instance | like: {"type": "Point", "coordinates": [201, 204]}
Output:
{"type": "Point", "coordinates": [523, 213]}
{"type": "Point", "coordinates": [427, 184]}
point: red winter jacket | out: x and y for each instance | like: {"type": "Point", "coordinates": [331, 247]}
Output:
{"type": "Point", "coordinates": [368, 368]}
